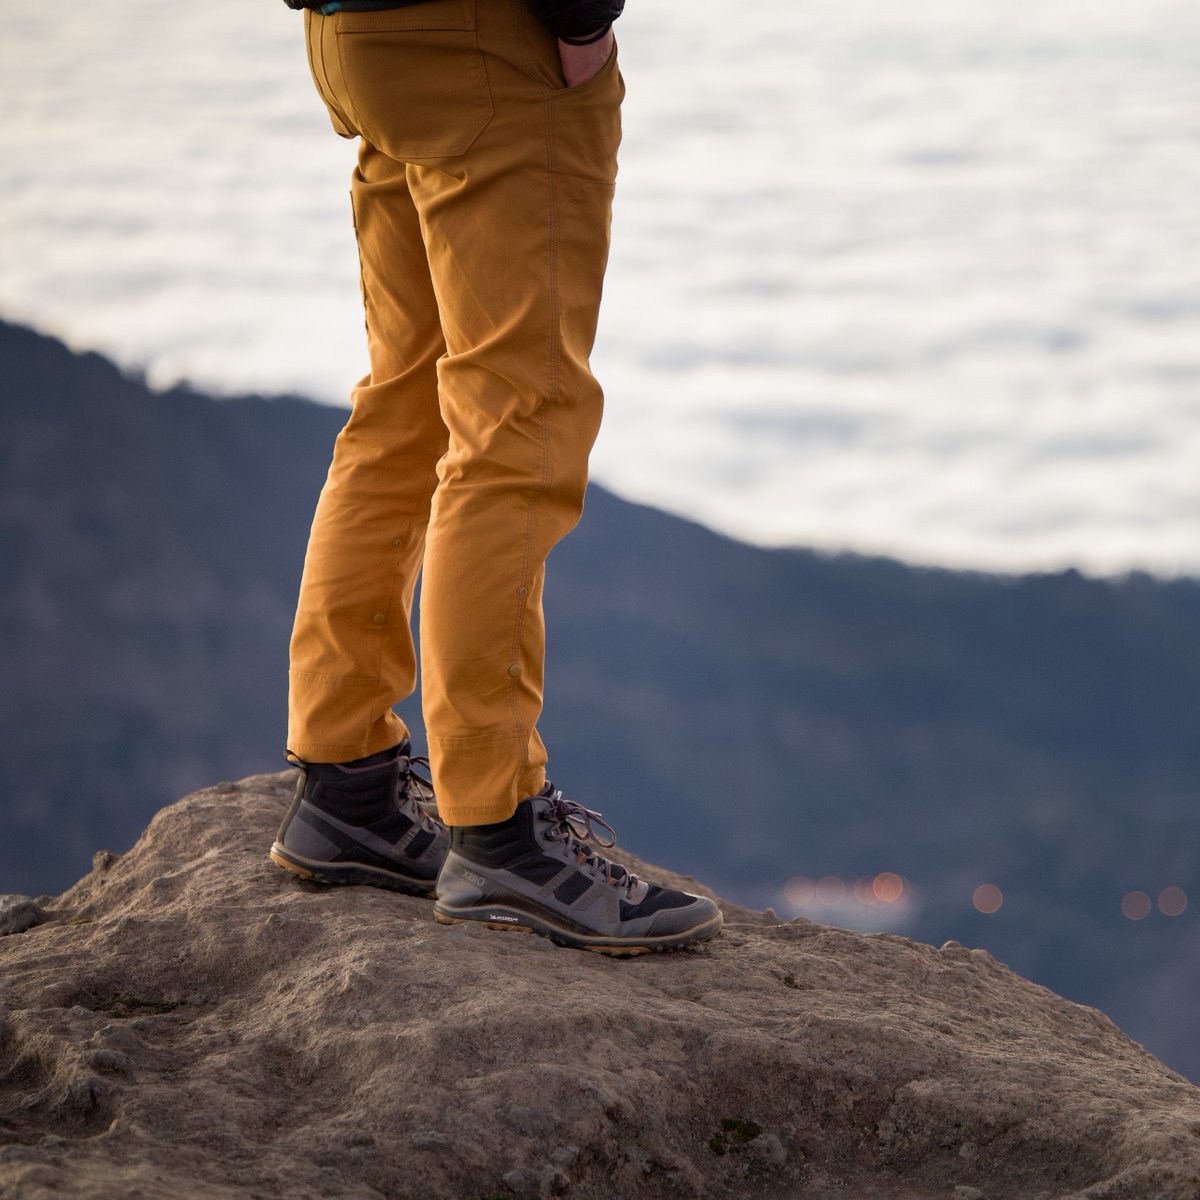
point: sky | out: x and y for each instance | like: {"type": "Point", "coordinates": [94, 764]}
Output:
{"type": "Point", "coordinates": [915, 280]}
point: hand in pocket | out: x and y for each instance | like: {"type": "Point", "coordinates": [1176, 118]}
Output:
{"type": "Point", "coordinates": [580, 63]}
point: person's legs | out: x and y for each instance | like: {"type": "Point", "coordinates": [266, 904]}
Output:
{"type": "Point", "coordinates": [361, 812]}
{"type": "Point", "coordinates": [517, 235]}
{"type": "Point", "coordinates": [352, 654]}
{"type": "Point", "coordinates": [512, 178]}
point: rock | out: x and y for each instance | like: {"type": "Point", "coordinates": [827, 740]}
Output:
{"type": "Point", "coordinates": [431, 1139]}
{"type": "Point", "coordinates": [19, 913]}
{"type": "Point", "coordinates": [639, 1159]}
{"type": "Point", "coordinates": [84, 1093]}
{"type": "Point", "coordinates": [118, 1037]}
{"type": "Point", "coordinates": [766, 1152]}
{"type": "Point", "coordinates": [533, 1122]}
{"type": "Point", "coordinates": [102, 860]}
{"type": "Point", "coordinates": [109, 1060]}
{"type": "Point", "coordinates": [294, 1040]}
{"type": "Point", "coordinates": [555, 1180]}
{"type": "Point", "coordinates": [515, 1182]}
{"type": "Point", "coordinates": [734, 1135]}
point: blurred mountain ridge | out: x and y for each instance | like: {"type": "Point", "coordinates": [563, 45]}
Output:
{"type": "Point", "coordinates": [741, 714]}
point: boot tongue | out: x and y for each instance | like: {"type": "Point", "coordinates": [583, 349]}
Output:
{"type": "Point", "coordinates": [540, 803]}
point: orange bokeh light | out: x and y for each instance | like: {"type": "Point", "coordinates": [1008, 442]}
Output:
{"type": "Point", "coordinates": [987, 898]}
{"type": "Point", "coordinates": [831, 890]}
{"type": "Point", "coordinates": [798, 890]}
{"type": "Point", "coordinates": [864, 892]}
{"type": "Point", "coordinates": [1172, 901]}
{"type": "Point", "coordinates": [1135, 905]}
{"type": "Point", "coordinates": [888, 887]}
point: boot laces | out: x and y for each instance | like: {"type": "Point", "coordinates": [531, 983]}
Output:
{"type": "Point", "coordinates": [573, 824]}
{"type": "Point", "coordinates": [415, 790]}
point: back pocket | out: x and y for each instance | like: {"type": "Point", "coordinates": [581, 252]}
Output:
{"type": "Point", "coordinates": [415, 79]}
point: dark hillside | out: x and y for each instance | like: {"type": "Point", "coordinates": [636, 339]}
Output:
{"type": "Point", "coordinates": [740, 714]}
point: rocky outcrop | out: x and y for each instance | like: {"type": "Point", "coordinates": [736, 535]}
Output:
{"type": "Point", "coordinates": [187, 1020]}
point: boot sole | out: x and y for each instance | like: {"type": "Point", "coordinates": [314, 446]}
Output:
{"type": "Point", "coordinates": [520, 921]}
{"type": "Point", "coordinates": [349, 874]}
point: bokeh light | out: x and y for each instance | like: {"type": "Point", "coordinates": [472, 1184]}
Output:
{"type": "Point", "coordinates": [987, 898]}
{"type": "Point", "coordinates": [831, 890]}
{"type": "Point", "coordinates": [1135, 905]}
{"type": "Point", "coordinates": [888, 887]}
{"type": "Point", "coordinates": [1172, 901]}
{"type": "Point", "coordinates": [866, 891]}
{"type": "Point", "coordinates": [798, 890]}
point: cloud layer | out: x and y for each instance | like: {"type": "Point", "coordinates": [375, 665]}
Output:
{"type": "Point", "coordinates": [920, 282]}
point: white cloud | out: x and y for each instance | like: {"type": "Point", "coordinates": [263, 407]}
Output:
{"type": "Point", "coordinates": [917, 280]}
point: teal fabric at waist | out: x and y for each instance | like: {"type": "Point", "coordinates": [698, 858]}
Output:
{"type": "Point", "coordinates": [334, 6]}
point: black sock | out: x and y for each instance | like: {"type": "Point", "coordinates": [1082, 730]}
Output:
{"type": "Point", "coordinates": [361, 791]}
{"type": "Point", "coordinates": [375, 760]}
{"type": "Point", "coordinates": [494, 842]}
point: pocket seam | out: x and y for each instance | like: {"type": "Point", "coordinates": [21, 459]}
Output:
{"type": "Point", "coordinates": [532, 66]}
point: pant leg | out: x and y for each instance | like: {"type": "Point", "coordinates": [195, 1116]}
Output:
{"type": "Point", "coordinates": [512, 178]}
{"type": "Point", "coordinates": [352, 654]}
{"type": "Point", "coordinates": [519, 292]}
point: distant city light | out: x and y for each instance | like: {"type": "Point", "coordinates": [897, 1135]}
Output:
{"type": "Point", "coordinates": [1172, 901]}
{"type": "Point", "coordinates": [798, 891]}
{"type": "Point", "coordinates": [987, 898]}
{"type": "Point", "coordinates": [831, 889]}
{"type": "Point", "coordinates": [868, 891]}
{"type": "Point", "coordinates": [1136, 905]}
{"type": "Point", "coordinates": [888, 887]}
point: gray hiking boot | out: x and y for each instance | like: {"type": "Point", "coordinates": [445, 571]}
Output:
{"type": "Point", "coordinates": [534, 873]}
{"type": "Point", "coordinates": [374, 825]}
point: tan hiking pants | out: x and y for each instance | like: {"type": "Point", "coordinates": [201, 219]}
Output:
{"type": "Point", "coordinates": [482, 202]}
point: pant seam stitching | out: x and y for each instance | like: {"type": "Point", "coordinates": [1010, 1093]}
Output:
{"type": "Point", "coordinates": [319, 42]}
{"type": "Point", "coordinates": [527, 548]}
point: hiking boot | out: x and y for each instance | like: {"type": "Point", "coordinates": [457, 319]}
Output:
{"type": "Point", "coordinates": [374, 824]}
{"type": "Point", "coordinates": [534, 873]}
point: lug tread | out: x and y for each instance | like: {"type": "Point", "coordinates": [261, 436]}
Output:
{"type": "Point", "coordinates": [614, 949]}
{"type": "Point", "coordinates": [350, 874]}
